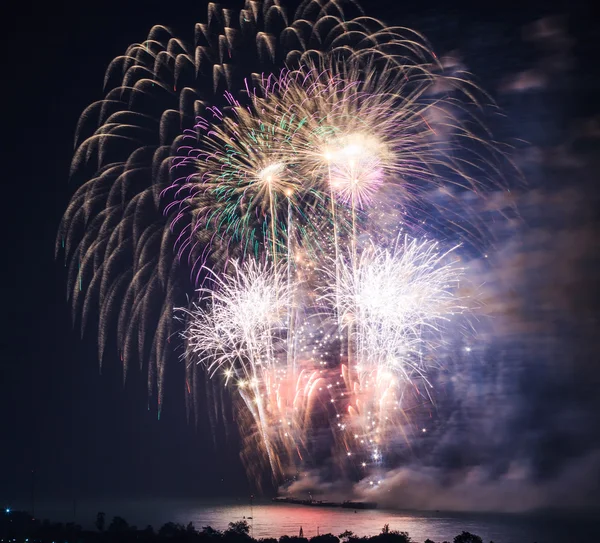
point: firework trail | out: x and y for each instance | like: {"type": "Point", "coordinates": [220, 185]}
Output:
{"type": "Point", "coordinates": [394, 302]}
{"type": "Point", "coordinates": [240, 333]}
{"type": "Point", "coordinates": [183, 184]}
{"type": "Point", "coordinates": [239, 329]}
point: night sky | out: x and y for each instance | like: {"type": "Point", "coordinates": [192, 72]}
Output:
{"type": "Point", "coordinates": [532, 412]}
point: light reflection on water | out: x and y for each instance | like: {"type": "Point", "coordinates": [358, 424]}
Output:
{"type": "Point", "coordinates": [274, 520]}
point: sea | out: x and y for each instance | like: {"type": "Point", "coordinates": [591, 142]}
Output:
{"type": "Point", "coordinates": [274, 520]}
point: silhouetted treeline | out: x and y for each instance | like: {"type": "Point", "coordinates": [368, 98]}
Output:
{"type": "Point", "coordinates": [20, 527]}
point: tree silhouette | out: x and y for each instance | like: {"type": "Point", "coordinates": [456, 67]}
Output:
{"type": "Point", "coordinates": [171, 529]}
{"type": "Point", "coordinates": [239, 527]}
{"type": "Point", "coordinates": [467, 537]}
{"type": "Point", "coordinates": [210, 532]}
{"type": "Point", "coordinates": [292, 539]}
{"type": "Point", "coordinates": [100, 521]}
{"type": "Point", "coordinates": [324, 538]}
{"type": "Point", "coordinates": [390, 536]}
{"type": "Point", "coordinates": [118, 525]}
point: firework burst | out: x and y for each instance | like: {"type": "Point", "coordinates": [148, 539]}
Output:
{"type": "Point", "coordinates": [118, 245]}
{"type": "Point", "coordinates": [393, 303]}
{"type": "Point", "coordinates": [257, 193]}
{"type": "Point", "coordinates": [240, 329]}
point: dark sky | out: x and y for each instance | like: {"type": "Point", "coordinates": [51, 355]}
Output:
{"type": "Point", "coordinates": [87, 435]}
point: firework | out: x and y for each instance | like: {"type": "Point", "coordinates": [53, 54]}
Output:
{"type": "Point", "coordinates": [240, 330]}
{"type": "Point", "coordinates": [394, 304]}
{"type": "Point", "coordinates": [255, 193]}
{"type": "Point", "coordinates": [240, 334]}
{"type": "Point", "coordinates": [335, 131]}
{"type": "Point", "coordinates": [117, 242]}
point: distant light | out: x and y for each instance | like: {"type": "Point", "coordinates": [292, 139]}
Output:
{"type": "Point", "coordinates": [8, 509]}
{"type": "Point", "coordinates": [424, 430]}
{"type": "Point", "coordinates": [468, 349]}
